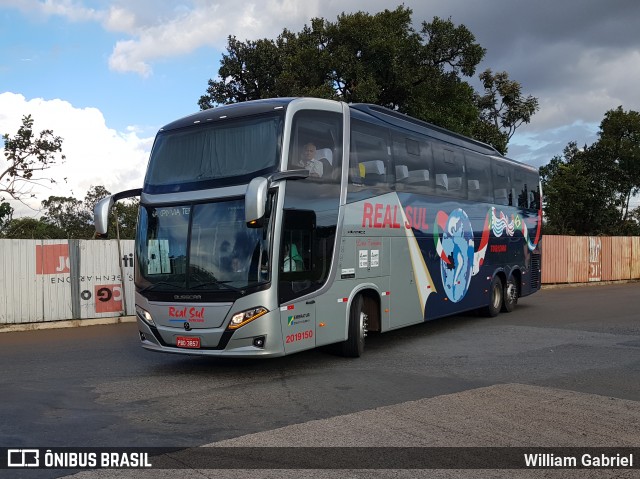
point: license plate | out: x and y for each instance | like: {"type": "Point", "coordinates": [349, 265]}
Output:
{"type": "Point", "coordinates": [187, 342]}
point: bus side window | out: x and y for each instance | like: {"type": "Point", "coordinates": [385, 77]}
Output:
{"type": "Point", "coordinates": [370, 163]}
{"type": "Point", "coordinates": [479, 184]}
{"type": "Point", "coordinates": [413, 164]}
{"type": "Point", "coordinates": [450, 174]}
{"type": "Point", "coordinates": [502, 186]}
{"type": "Point", "coordinates": [533, 192]}
{"type": "Point", "coordinates": [319, 133]}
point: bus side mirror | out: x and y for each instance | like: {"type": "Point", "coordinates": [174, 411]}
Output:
{"type": "Point", "coordinates": [101, 215]}
{"type": "Point", "coordinates": [103, 208]}
{"type": "Point", "coordinates": [255, 201]}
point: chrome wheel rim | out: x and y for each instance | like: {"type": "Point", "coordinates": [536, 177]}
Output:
{"type": "Point", "coordinates": [497, 300]}
{"type": "Point", "coordinates": [512, 292]}
{"type": "Point", "coordinates": [364, 320]}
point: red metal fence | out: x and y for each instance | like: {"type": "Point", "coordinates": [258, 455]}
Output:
{"type": "Point", "coordinates": [581, 259]}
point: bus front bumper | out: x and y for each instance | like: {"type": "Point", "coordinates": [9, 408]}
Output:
{"type": "Point", "coordinates": [252, 340]}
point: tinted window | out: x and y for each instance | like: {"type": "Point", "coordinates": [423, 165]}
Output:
{"type": "Point", "coordinates": [449, 175]}
{"type": "Point", "coordinates": [190, 157]}
{"type": "Point", "coordinates": [413, 164]}
{"type": "Point", "coordinates": [306, 252]}
{"type": "Point", "coordinates": [479, 184]}
{"type": "Point", "coordinates": [531, 190]}
{"type": "Point", "coordinates": [369, 162]}
{"type": "Point", "coordinates": [316, 145]}
{"type": "Point", "coordinates": [503, 191]}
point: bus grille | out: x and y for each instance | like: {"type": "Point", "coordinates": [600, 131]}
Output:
{"type": "Point", "coordinates": [534, 272]}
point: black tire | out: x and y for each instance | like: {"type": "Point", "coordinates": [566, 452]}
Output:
{"type": "Point", "coordinates": [354, 345]}
{"type": "Point", "coordinates": [510, 295]}
{"type": "Point", "coordinates": [496, 293]}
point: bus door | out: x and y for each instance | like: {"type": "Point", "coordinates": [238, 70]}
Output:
{"type": "Point", "coordinates": [297, 275]}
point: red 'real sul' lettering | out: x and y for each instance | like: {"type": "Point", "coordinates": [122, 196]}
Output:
{"type": "Point", "coordinates": [379, 215]}
{"type": "Point", "coordinates": [416, 218]}
{"type": "Point", "coordinates": [367, 215]}
{"type": "Point", "coordinates": [177, 312]}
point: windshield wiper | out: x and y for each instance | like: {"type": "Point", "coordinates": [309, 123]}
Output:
{"type": "Point", "coordinates": [161, 283]}
{"type": "Point", "coordinates": [219, 283]}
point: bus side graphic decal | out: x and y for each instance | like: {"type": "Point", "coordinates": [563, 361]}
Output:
{"type": "Point", "coordinates": [454, 242]}
{"type": "Point", "coordinates": [421, 275]}
{"type": "Point", "coordinates": [500, 224]}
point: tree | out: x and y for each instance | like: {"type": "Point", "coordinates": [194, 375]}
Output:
{"type": "Point", "coordinates": [6, 214]}
{"type": "Point", "coordinates": [69, 215]}
{"type": "Point", "coordinates": [619, 147]}
{"type": "Point", "coordinates": [66, 217]}
{"type": "Point", "coordinates": [124, 214]}
{"type": "Point", "coordinates": [502, 108]}
{"type": "Point", "coordinates": [27, 155]}
{"type": "Point", "coordinates": [31, 228]}
{"type": "Point", "coordinates": [367, 58]}
{"type": "Point", "coordinates": [578, 198]}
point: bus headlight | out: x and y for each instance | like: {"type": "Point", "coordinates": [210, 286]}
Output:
{"type": "Point", "coordinates": [244, 317]}
{"type": "Point", "coordinates": [144, 315]}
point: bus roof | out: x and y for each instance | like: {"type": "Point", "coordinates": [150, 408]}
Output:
{"type": "Point", "coordinates": [409, 123]}
{"type": "Point", "coordinates": [233, 110]}
{"type": "Point", "coordinates": [391, 117]}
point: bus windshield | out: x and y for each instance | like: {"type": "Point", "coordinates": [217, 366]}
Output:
{"type": "Point", "coordinates": [202, 247]}
{"type": "Point", "coordinates": [197, 156]}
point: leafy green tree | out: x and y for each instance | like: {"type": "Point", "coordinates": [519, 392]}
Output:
{"type": "Point", "coordinates": [32, 228]}
{"type": "Point", "coordinates": [124, 214]}
{"type": "Point", "coordinates": [377, 58]}
{"type": "Point", "coordinates": [618, 146]}
{"type": "Point", "coordinates": [578, 198]}
{"type": "Point", "coordinates": [6, 215]}
{"type": "Point", "coordinates": [27, 155]}
{"type": "Point", "coordinates": [69, 215]}
{"type": "Point", "coordinates": [69, 218]}
{"type": "Point", "coordinates": [502, 108]}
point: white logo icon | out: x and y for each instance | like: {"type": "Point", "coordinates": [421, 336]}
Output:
{"type": "Point", "coordinates": [23, 458]}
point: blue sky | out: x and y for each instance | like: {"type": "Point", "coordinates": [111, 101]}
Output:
{"type": "Point", "coordinates": [52, 57]}
{"type": "Point", "coordinates": [106, 74]}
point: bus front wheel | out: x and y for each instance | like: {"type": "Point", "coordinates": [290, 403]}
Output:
{"type": "Point", "coordinates": [358, 319]}
{"type": "Point", "coordinates": [496, 293]}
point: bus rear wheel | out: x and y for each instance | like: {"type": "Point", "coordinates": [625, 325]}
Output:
{"type": "Point", "coordinates": [357, 332]}
{"type": "Point", "coordinates": [496, 293]}
{"type": "Point", "coordinates": [510, 295]}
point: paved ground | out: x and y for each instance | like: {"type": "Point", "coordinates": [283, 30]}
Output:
{"type": "Point", "coordinates": [563, 370]}
{"type": "Point", "coordinates": [510, 415]}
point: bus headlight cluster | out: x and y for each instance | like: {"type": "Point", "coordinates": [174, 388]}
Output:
{"type": "Point", "coordinates": [144, 315]}
{"type": "Point", "coordinates": [244, 317]}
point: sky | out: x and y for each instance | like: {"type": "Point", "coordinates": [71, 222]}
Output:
{"type": "Point", "coordinates": [105, 75]}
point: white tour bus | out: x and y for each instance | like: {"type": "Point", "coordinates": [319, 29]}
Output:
{"type": "Point", "coordinates": [275, 226]}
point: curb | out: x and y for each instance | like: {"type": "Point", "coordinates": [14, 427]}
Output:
{"type": "Point", "coordinates": [71, 323]}
{"type": "Point", "coordinates": [590, 284]}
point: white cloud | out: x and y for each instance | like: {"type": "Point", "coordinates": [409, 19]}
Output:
{"type": "Point", "coordinates": [205, 23]}
{"type": "Point", "coordinates": [75, 11]}
{"type": "Point", "coordinates": [95, 154]}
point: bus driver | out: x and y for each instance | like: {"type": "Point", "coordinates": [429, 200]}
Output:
{"type": "Point", "coordinates": [308, 160]}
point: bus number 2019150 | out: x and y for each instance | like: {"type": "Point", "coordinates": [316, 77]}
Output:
{"type": "Point", "coordinates": [292, 338]}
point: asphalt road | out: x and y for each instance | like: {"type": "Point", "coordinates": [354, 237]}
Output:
{"type": "Point", "coordinates": [576, 348]}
